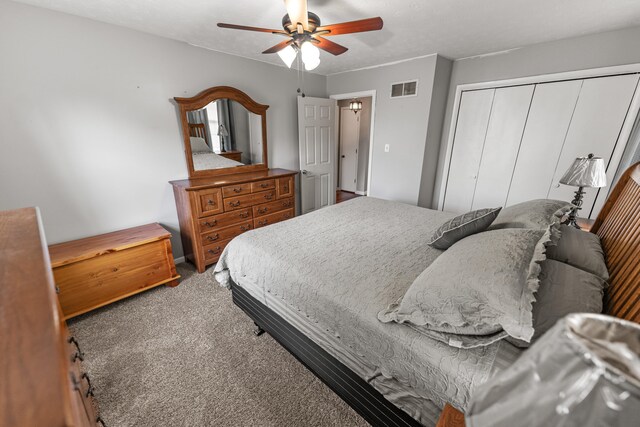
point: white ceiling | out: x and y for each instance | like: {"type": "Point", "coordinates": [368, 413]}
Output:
{"type": "Point", "coordinates": [453, 28]}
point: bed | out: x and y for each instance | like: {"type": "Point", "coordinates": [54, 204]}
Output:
{"type": "Point", "coordinates": [211, 160]}
{"type": "Point", "coordinates": [304, 282]}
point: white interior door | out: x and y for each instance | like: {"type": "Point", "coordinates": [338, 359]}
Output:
{"type": "Point", "coordinates": [595, 127]}
{"type": "Point", "coordinates": [316, 130]}
{"type": "Point", "coordinates": [349, 139]}
{"type": "Point", "coordinates": [504, 134]}
{"type": "Point", "coordinates": [471, 129]}
{"type": "Point", "coordinates": [549, 118]}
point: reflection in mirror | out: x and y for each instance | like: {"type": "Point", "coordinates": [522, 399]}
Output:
{"type": "Point", "coordinates": [224, 134]}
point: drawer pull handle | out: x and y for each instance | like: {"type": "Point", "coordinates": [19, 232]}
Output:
{"type": "Point", "coordinates": [264, 185]}
{"type": "Point", "coordinates": [265, 222]}
{"type": "Point", "coordinates": [234, 204]}
{"type": "Point", "coordinates": [99, 421]}
{"type": "Point", "coordinates": [79, 354]}
{"type": "Point", "coordinates": [245, 227]}
{"type": "Point", "coordinates": [85, 376]}
{"type": "Point", "coordinates": [287, 216]}
{"type": "Point", "coordinates": [211, 202]}
{"type": "Point", "coordinates": [244, 215]}
{"type": "Point", "coordinates": [237, 190]}
{"type": "Point", "coordinates": [215, 251]}
{"type": "Point", "coordinates": [268, 196]}
{"type": "Point", "coordinates": [213, 238]}
{"type": "Point", "coordinates": [212, 223]}
{"type": "Point", "coordinates": [262, 210]}
{"type": "Point", "coordinates": [287, 203]}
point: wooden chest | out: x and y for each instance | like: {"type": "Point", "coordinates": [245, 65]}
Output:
{"type": "Point", "coordinates": [92, 272]}
{"type": "Point", "coordinates": [212, 211]}
{"type": "Point", "coordinates": [43, 381]}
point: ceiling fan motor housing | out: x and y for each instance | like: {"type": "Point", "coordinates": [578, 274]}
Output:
{"type": "Point", "coordinates": [314, 22]}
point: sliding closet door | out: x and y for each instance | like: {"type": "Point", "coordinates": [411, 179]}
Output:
{"type": "Point", "coordinates": [471, 129]}
{"type": "Point", "coordinates": [595, 127]}
{"type": "Point", "coordinates": [501, 145]}
{"type": "Point", "coordinates": [549, 118]}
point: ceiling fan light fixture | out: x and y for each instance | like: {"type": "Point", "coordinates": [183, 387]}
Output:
{"type": "Point", "coordinates": [288, 55]}
{"type": "Point", "coordinates": [355, 105]}
{"type": "Point", "coordinates": [310, 55]}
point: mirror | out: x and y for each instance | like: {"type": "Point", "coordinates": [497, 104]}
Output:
{"type": "Point", "coordinates": [224, 134]}
{"type": "Point", "coordinates": [224, 131]}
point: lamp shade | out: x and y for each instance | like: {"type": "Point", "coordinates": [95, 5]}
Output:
{"type": "Point", "coordinates": [586, 172]}
{"type": "Point", "coordinates": [585, 371]}
{"type": "Point", "coordinates": [222, 131]}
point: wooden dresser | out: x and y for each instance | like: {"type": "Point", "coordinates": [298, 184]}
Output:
{"type": "Point", "coordinates": [43, 383]}
{"type": "Point", "coordinates": [212, 211]}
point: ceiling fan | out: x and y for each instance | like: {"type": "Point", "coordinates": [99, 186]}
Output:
{"type": "Point", "coordinates": [305, 34]}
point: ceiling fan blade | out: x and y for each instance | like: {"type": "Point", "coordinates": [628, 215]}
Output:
{"type": "Point", "coordinates": [370, 24]}
{"type": "Point", "coordinates": [279, 46]}
{"type": "Point", "coordinates": [244, 27]}
{"type": "Point", "coordinates": [297, 11]}
{"type": "Point", "coordinates": [329, 46]}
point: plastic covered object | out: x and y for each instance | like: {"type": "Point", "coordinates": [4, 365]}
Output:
{"type": "Point", "coordinates": [585, 371]}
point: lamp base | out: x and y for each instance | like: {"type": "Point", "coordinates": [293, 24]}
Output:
{"type": "Point", "coordinates": [573, 213]}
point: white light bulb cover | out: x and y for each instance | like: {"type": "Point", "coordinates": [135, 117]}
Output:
{"type": "Point", "coordinates": [310, 55]}
{"type": "Point", "coordinates": [288, 55]}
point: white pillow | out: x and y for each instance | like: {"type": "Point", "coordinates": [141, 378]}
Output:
{"type": "Point", "coordinates": [198, 145]}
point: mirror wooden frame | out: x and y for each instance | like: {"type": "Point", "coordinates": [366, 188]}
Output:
{"type": "Point", "coordinates": [203, 99]}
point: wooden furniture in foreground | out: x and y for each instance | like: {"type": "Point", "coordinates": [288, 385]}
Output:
{"type": "Point", "coordinates": [232, 155]}
{"type": "Point", "coordinates": [43, 383]}
{"type": "Point", "coordinates": [618, 226]}
{"type": "Point", "coordinates": [99, 270]}
{"type": "Point", "coordinates": [450, 417]}
{"type": "Point", "coordinates": [214, 211]}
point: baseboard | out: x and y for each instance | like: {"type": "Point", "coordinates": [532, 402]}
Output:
{"type": "Point", "coordinates": [179, 260]}
{"type": "Point", "coordinates": [361, 193]}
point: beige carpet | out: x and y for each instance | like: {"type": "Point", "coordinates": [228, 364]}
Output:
{"type": "Point", "coordinates": [187, 356]}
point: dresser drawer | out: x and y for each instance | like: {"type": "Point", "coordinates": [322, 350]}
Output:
{"type": "Point", "coordinates": [268, 184]}
{"type": "Point", "coordinates": [224, 220]}
{"type": "Point", "coordinates": [240, 202]}
{"type": "Point", "coordinates": [236, 190]}
{"type": "Point", "coordinates": [272, 207]}
{"type": "Point", "coordinates": [209, 202]}
{"type": "Point", "coordinates": [226, 233]}
{"type": "Point", "coordinates": [211, 253]}
{"type": "Point", "coordinates": [284, 187]}
{"type": "Point", "coordinates": [273, 218]}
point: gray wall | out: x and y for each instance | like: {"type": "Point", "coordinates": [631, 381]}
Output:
{"type": "Point", "coordinates": [400, 122]}
{"type": "Point", "coordinates": [87, 128]}
{"type": "Point", "coordinates": [436, 116]}
{"type": "Point", "coordinates": [592, 51]}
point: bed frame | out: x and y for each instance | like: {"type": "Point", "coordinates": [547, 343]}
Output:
{"type": "Point", "coordinates": [618, 226]}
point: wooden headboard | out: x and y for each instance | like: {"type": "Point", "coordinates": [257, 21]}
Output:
{"type": "Point", "coordinates": [618, 226]}
{"type": "Point", "coordinates": [198, 129]}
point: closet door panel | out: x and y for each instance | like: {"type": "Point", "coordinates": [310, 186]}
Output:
{"type": "Point", "coordinates": [549, 118]}
{"type": "Point", "coordinates": [504, 134]}
{"type": "Point", "coordinates": [471, 129]}
{"type": "Point", "coordinates": [595, 127]}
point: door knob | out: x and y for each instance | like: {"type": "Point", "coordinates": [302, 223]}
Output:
{"type": "Point", "coordinates": [343, 156]}
{"type": "Point", "coordinates": [305, 172]}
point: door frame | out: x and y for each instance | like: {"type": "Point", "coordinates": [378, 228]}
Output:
{"type": "Point", "coordinates": [625, 132]}
{"type": "Point", "coordinates": [361, 94]}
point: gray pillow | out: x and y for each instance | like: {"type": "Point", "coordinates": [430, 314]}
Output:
{"type": "Point", "coordinates": [538, 214]}
{"type": "Point", "coordinates": [581, 250]}
{"type": "Point", "coordinates": [482, 288]}
{"type": "Point", "coordinates": [462, 226]}
{"type": "Point", "coordinates": [563, 290]}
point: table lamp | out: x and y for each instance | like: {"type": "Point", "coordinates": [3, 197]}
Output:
{"type": "Point", "coordinates": [584, 172]}
{"type": "Point", "coordinates": [222, 132]}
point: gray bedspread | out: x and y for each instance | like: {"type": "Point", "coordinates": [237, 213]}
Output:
{"type": "Point", "coordinates": [330, 272]}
